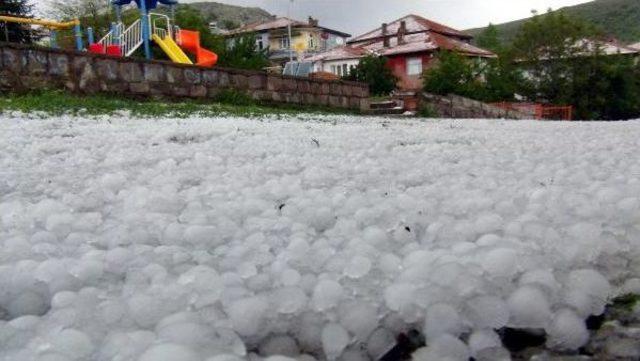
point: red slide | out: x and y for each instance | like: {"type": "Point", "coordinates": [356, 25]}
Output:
{"type": "Point", "coordinates": [190, 41]}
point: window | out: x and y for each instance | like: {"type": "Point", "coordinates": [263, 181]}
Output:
{"type": "Point", "coordinates": [339, 70]}
{"type": "Point", "coordinates": [259, 44]}
{"type": "Point", "coordinates": [334, 70]}
{"type": "Point", "coordinates": [284, 42]}
{"type": "Point", "coordinates": [414, 66]}
{"type": "Point", "coordinates": [345, 69]}
{"type": "Point", "coordinates": [312, 42]}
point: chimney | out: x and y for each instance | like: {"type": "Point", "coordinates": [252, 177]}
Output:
{"type": "Point", "coordinates": [313, 22]}
{"type": "Point", "coordinates": [385, 33]}
{"type": "Point", "coordinates": [402, 31]}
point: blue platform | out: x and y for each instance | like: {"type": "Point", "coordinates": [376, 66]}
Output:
{"type": "Point", "coordinates": [150, 4]}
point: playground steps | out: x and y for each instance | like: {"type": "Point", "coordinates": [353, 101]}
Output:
{"type": "Point", "coordinates": [119, 41]}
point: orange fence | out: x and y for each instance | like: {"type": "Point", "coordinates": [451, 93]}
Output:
{"type": "Point", "coordinates": [539, 111]}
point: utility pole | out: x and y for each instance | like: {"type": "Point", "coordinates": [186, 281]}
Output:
{"type": "Point", "coordinates": [289, 30]}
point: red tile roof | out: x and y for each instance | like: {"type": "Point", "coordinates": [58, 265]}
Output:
{"type": "Point", "coordinates": [413, 43]}
{"type": "Point", "coordinates": [635, 46]}
{"type": "Point", "coordinates": [462, 47]}
{"type": "Point", "coordinates": [414, 24]}
{"type": "Point", "coordinates": [279, 23]}
{"type": "Point", "coordinates": [421, 35]}
{"type": "Point", "coordinates": [339, 53]}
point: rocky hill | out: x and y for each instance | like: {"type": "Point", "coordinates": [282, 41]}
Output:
{"type": "Point", "coordinates": [229, 15]}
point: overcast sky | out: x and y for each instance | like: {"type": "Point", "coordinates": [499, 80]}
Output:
{"type": "Point", "coordinates": [358, 16]}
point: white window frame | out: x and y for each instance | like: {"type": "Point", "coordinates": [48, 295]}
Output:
{"type": "Point", "coordinates": [312, 42]}
{"type": "Point", "coordinates": [284, 42]}
{"type": "Point", "coordinates": [414, 66]}
{"type": "Point", "coordinates": [259, 43]}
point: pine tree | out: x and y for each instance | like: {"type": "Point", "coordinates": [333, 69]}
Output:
{"type": "Point", "coordinates": [490, 39]}
{"type": "Point", "coordinates": [17, 33]}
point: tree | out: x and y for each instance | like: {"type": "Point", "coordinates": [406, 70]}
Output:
{"type": "Point", "coordinates": [565, 65]}
{"type": "Point", "coordinates": [489, 39]}
{"type": "Point", "coordinates": [454, 74]}
{"type": "Point", "coordinates": [242, 53]}
{"type": "Point", "coordinates": [17, 33]}
{"type": "Point", "coordinates": [488, 80]}
{"type": "Point", "coordinates": [548, 46]}
{"type": "Point", "coordinates": [374, 71]}
{"type": "Point", "coordinates": [502, 78]}
{"type": "Point", "coordinates": [94, 14]}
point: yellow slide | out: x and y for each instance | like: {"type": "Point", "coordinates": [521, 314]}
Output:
{"type": "Point", "coordinates": [172, 49]}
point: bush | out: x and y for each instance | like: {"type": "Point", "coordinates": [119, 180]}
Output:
{"type": "Point", "coordinates": [454, 74]}
{"type": "Point", "coordinates": [243, 54]}
{"type": "Point", "coordinates": [426, 111]}
{"type": "Point", "coordinates": [234, 97]}
{"type": "Point", "coordinates": [374, 71]}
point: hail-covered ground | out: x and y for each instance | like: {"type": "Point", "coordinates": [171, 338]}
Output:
{"type": "Point", "coordinates": [229, 239]}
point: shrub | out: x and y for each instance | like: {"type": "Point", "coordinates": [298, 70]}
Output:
{"type": "Point", "coordinates": [374, 71]}
{"type": "Point", "coordinates": [453, 74]}
{"type": "Point", "coordinates": [234, 97]}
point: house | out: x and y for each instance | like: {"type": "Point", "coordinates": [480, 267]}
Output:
{"type": "Point", "coordinates": [585, 48]}
{"type": "Point", "coordinates": [635, 46]}
{"type": "Point", "coordinates": [307, 38]}
{"type": "Point", "coordinates": [215, 28]}
{"type": "Point", "coordinates": [338, 61]}
{"type": "Point", "coordinates": [609, 47]}
{"type": "Point", "coordinates": [410, 45]}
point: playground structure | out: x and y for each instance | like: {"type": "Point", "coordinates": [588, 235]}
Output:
{"type": "Point", "coordinates": [124, 40]}
{"type": "Point", "coordinates": [53, 27]}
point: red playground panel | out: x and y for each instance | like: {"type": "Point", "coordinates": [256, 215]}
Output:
{"type": "Point", "coordinates": [115, 50]}
{"type": "Point", "coordinates": [96, 49]}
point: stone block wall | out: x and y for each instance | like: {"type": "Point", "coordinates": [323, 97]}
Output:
{"type": "Point", "coordinates": [32, 68]}
{"type": "Point", "coordinates": [454, 106]}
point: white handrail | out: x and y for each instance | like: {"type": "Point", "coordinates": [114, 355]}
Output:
{"type": "Point", "coordinates": [111, 38]}
{"type": "Point", "coordinates": [132, 38]}
{"type": "Point", "coordinates": [161, 30]}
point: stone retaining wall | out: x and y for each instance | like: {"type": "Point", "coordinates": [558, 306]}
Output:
{"type": "Point", "coordinates": [454, 106]}
{"type": "Point", "coordinates": [32, 68]}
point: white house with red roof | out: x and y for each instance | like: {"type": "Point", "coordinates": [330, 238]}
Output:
{"type": "Point", "coordinates": [307, 38]}
{"type": "Point", "coordinates": [410, 45]}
